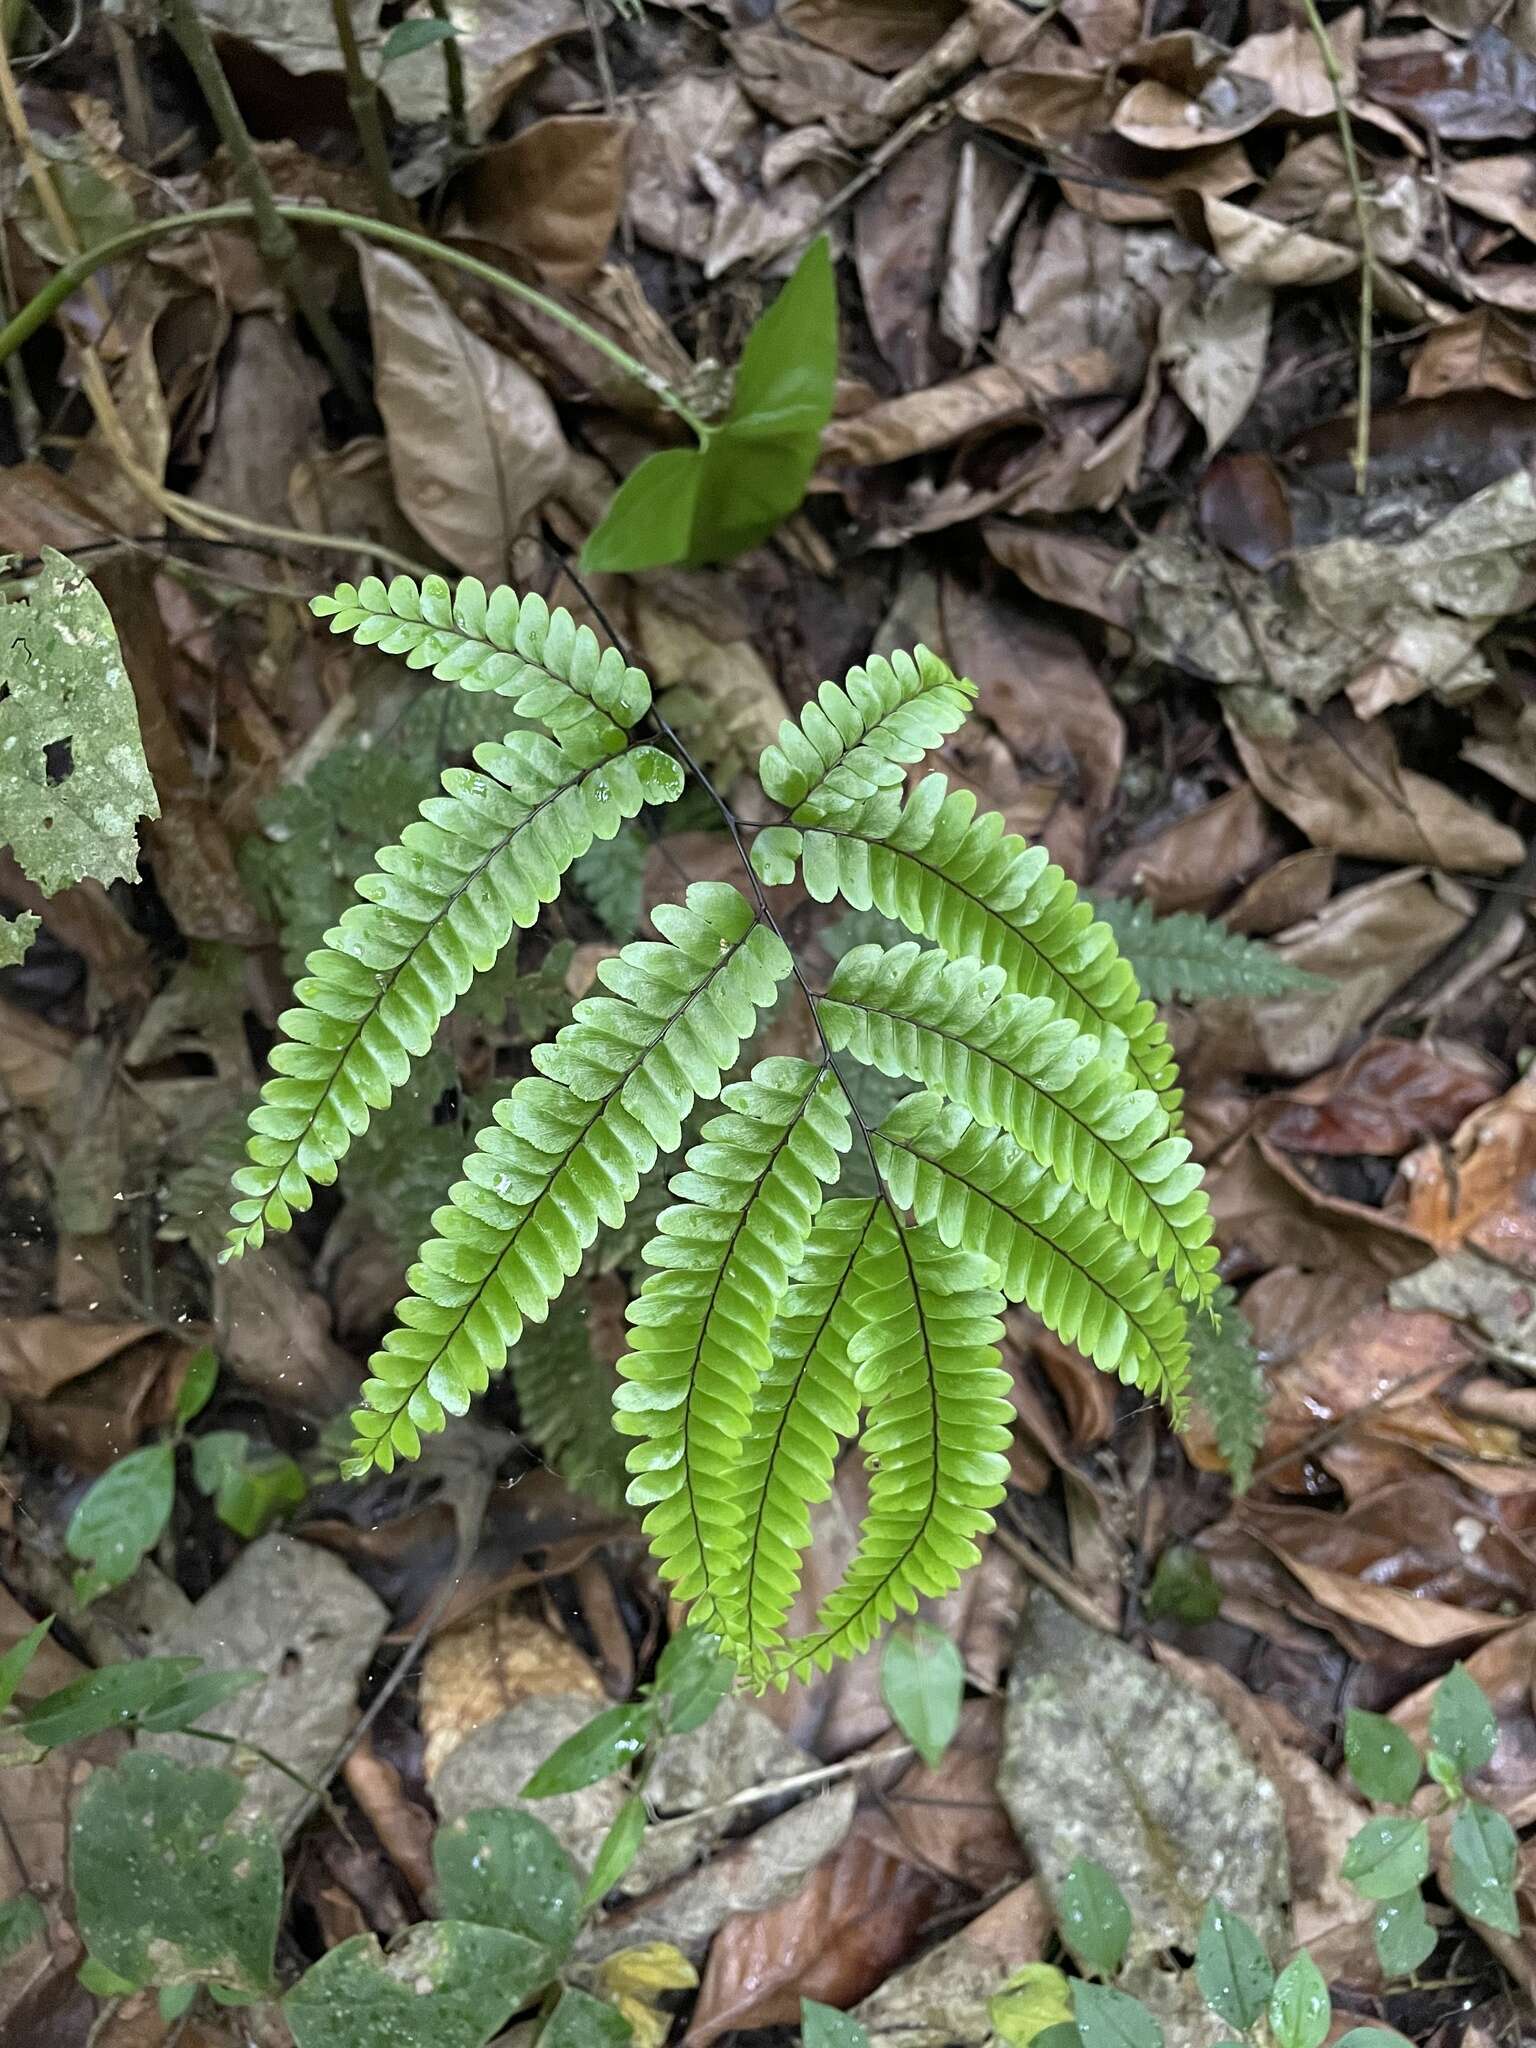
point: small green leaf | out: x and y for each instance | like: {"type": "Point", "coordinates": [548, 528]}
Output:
{"type": "Point", "coordinates": [175, 1999]}
{"type": "Point", "coordinates": [776, 855]}
{"type": "Point", "coordinates": [73, 778]}
{"type": "Point", "coordinates": [1034, 2003]}
{"type": "Point", "coordinates": [1300, 2009]}
{"type": "Point", "coordinates": [21, 1921]}
{"type": "Point", "coordinates": [608, 1742]}
{"type": "Point", "coordinates": [582, 2021]}
{"type": "Point", "coordinates": [443, 1984]}
{"type": "Point", "coordinates": [706, 504]}
{"type": "Point", "coordinates": [1462, 1725]}
{"type": "Point", "coordinates": [693, 1676]}
{"type": "Point", "coordinates": [187, 1702]}
{"type": "Point", "coordinates": [1484, 1855]}
{"type": "Point", "coordinates": [1234, 1973]}
{"type": "Point", "coordinates": [121, 1518]}
{"type": "Point", "coordinates": [110, 1698]}
{"type": "Point", "coordinates": [502, 1868]}
{"type": "Point", "coordinates": [922, 1679]}
{"type": "Point", "coordinates": [1402, 1933]}
{"type": "Point", "coordinates": [102, 1982]}
{"type": "Point", "coordinates": [407, 37]}
{"type": "Point", "coordinates": [1095, 1920]}
{"type": "Point", "coordinates": [170, 1887]}
{"type": "Point", "coordinates": [1382, 1758]}
{"type": "Point", "coordinates": [13, 1665]}
{"type": "Point", "coordinates": [823, 2026]}
{"type": "Point", "coordinates": [1183, 1587]}
{"type": "Point", "coordinates": [1063, 2035]}
{"type": "Point", "coordinates": [1388, 1857]}
{"type": "Point", "coordinates": [1108, 2019]}
{"type": "Point", "coordinates": [621, 1845]}
{"type": "Point", "coordinates": [16, 935]}
{"type": "Point", "coordinates": [1372, 2037]}
{"type": "Point", "coordinates": [198, 1383]}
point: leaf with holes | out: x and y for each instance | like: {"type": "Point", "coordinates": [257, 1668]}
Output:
{"type": "Point", "coordinates": [73, 779]}
{"type": "Point", "coordinates": [170, 1887]}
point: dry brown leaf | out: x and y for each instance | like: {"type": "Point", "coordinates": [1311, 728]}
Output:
{"type": "Point", "coordinates": [797, 84]}
{"type": "Point", "coordinates": [941, 2000]}
{"type": "Point", "coordinates": [948, 1820]}
{"type": "Point", "coordinates": [1341, 781]}
{"type": "Point", "coordinates": [882, 35]}
{"type": "Point", "coordinates": [500, 44]}
{"type": "Point", "coordinates": [692, 116]}
{"type": "Point", "coordinates": [1075, 570]}
{"type": "Point", "coordinates": [1196, 862]}
{"type": "Point", "coordinates": [1054, 94]}
{"type": "Point", "coordinates": [1213, 343]}
{"type": "Point", "coordinates": [1085, 305]}
{"type": "Point", "coordinates": [1485, 351]}
{"type": "Point", "coordinates": [1388, 1095]}
{"type": "Point", "coordinates": [552, 194]}
{"type": "Point", "coordinates": [475, 1671]}
{"type": "Point", "coordinates": [1480, 92]}
{"type": "Point", "coordinates": [1472, 1192]}
{"type": "Point", "coordinates": [1264, 251]}
{"type": "Point", "coordinates": [39, 1354]}
{"type": "Point", "coordinates": [900, 225]}
{"type": "Point", "coordinates": [1293, 890]}
{"type": "Point", "coordinates": [474, 443]}
{"type": "Point", "coordinates": [893, 429]}
{"type": "Point", "coordinates": [403, 1825]}
{"type": "Point", "coordinates": [729, 677]}
{"type": "Point", "coordinates": [33, 1055]}
{"type": "Point", "coordinates": [835, 1940]}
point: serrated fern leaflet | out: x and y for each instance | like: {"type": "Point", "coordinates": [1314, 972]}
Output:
{"type": "Point", "coordinates": [1039, 1162]}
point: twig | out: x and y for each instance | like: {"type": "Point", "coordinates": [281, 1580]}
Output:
{"type": "Point", "coordinates": [453, 73]}
{"type": "Point", "coordinates": [363, 100]}
{"type": "Point", "coordinates": [1325, 50]}
{"type": "Point", "coordinates": [777, 1788]}
{"type": "Point", "coordinates": [239, 212]}
{"type": "Point", "coordinates": [274, 237]}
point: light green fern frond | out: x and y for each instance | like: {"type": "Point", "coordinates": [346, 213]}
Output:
{"type": "Point", "coordinates": [927, 1365]}
{"type": "Point", "coordinates": [1228, 1382]}
{"type": "Point", "coordinates": [805, 1408]}
{"type": "Point", "coordinates": [564, 1401]}
{"type": "Point", "coordinates": [856, 737]}
{"type": "Point", "coordinates": [1053, 1250]}
{"type": "Point", "coordinates": [1016, 1064]}
{"type": "Point", "coordinates": [699, 1344]}
{"type": "Point", "coordinates": [479, 863]}
{"type": "Point", "coordinates": [1186, 958]}
{"type": "Point", "coordinates": [980, 892]}
{"type": "Point", "coordinates": [564, 1154]}
{"type": "Point", "coordinates": [549, 667]}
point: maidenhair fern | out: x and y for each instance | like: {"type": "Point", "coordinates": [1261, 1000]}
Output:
{"type": "Point", "coordinates": [825, 1273]}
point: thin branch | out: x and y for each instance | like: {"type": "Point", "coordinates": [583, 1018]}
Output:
{"type": "Point", "coordinates": [453, 73]}
{"type": "Point", "coordinates": [274, 237]}
{"type": "Point", "coordinates": [363, 101]}
{"type": "Point", "coordinates": [1325, 50]}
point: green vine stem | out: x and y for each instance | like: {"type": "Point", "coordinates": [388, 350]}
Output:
{"type": "Point", "coordinates": [363, 102]}
{"type": "Point", "coordinates": [239, 213]}
{"type": "Point", "coordinates": [453, 74]}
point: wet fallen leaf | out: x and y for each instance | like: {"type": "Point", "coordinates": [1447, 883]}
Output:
{"type": "Point", "coordinates": [1481, 91]}
{"type": "Point", "coordinates": [941, 2000]}
{"type": "Point", "coordinates": [39, 1354]}
{"type": "Point", "coordinates": [1387, 1096]}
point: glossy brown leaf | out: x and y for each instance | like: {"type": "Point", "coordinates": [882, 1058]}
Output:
{"type": "Point", "coordinates": [1478, 91]}
{"type": "Point", "coordinates": [1387, 1096]}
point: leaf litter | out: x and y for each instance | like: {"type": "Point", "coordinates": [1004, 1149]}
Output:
{"type": "Point", "coordinates": [1093, 435]}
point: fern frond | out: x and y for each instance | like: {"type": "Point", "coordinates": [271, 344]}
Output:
{"type": "Point", "coordinates": [1015, 1063]}
{"type": "Point", "coordinates": [926, 1362]}
{"type": "Point", "coordinates": [978, 891]}
{"type": "Point", "coordinates": [549, 667]}
{"type": "Point", "coordinates": [699, 1341]}
{"type": "Point", "coordinates": [1228, 1381]}
{"type": "Point", "coordinates": [806, 1407]}
{"type": "Point", "coordinates": [1053, 1250]}
{"type": "Point", "coordinates": [564, 1394]}
{"type": "Point", "coordinates": [1186, 958]}
{"type": "Point", "coordinates": [856, 737]}
{"type": "Point", "coordinates": [477, 864]}
{"type": "Point", "coordinates": [564, 1154]}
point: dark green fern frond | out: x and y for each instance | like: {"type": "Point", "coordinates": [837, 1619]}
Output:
{"type": "Point", "coordinates": [549, 668]}
{"type": "Point", "coordinates": [1186, 958]}
{"type": "Point", "coordinates": [927, 1365]}
{"type": "Point", "coordinates": [1229, 1384]}
{"type": "Point", "coordinates": [700, 1328]}
{"type": "Point", "coordinates": [1016, 1064]}
{"type": "Point", "coordinates": [565, 1399]}
{"type": "Point", "coordinates": [479, 863]}
{"type": "Point", "coordinates": [565, 1154]}
{"type": "Point", "coordinates": [856, 737]}
{"type": "Point", "coordinates": [980, 892]}
{"type": "Point", "coordinates": [805, 1409]}
{"type": "Point", "coordinates": [1053, 1250]}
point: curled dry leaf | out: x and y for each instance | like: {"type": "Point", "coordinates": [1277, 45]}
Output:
{"type": "Point", "coordinates": [39, 1354]}
{"type": "Point", "coordinates": [552, 194]}
{"type": "Point", "coordinates": [474, 443]}
{"type": "Point", "coordinates": [1480, 91]}
{"type": "Point", "coordinates": [1473, 1192]}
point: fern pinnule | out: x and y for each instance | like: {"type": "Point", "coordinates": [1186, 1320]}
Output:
{"type": "Point", "coordinates": [1053, 1250]}
{"type": "Point", "coordinates": [564, 1153]}
{"type": "Point", "coordinates": [699, 1341]}
{"type": "Point", "coordinates": [856, 737]}
{"type": "Point", "coordinates": [1226, 1376]}
{"type": "Point", "coordinates": [978, 891]}
{"type": "Point", "coordinates": [926, 1364]}
{"type": "Point", "coordinates": [549, 667]}
{"type": "Point", "coordinates": [479, 863]}
{"type": "Point", "coordinates": [1187, 958]}
{"type": "Point", "coordinates": [1017, 1064]}
{"type": "Point", "coordinates": [806, 1408]}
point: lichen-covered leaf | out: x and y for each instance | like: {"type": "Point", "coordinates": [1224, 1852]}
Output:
{"type": "Point", "coordinates": [445, 1984]}
{"type": "Point", "coordinates": [169, 1887]}
{"type": "Point", "coordinates": [73, 779]}
{"type": "Point", "coordinates": [16, 935]}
